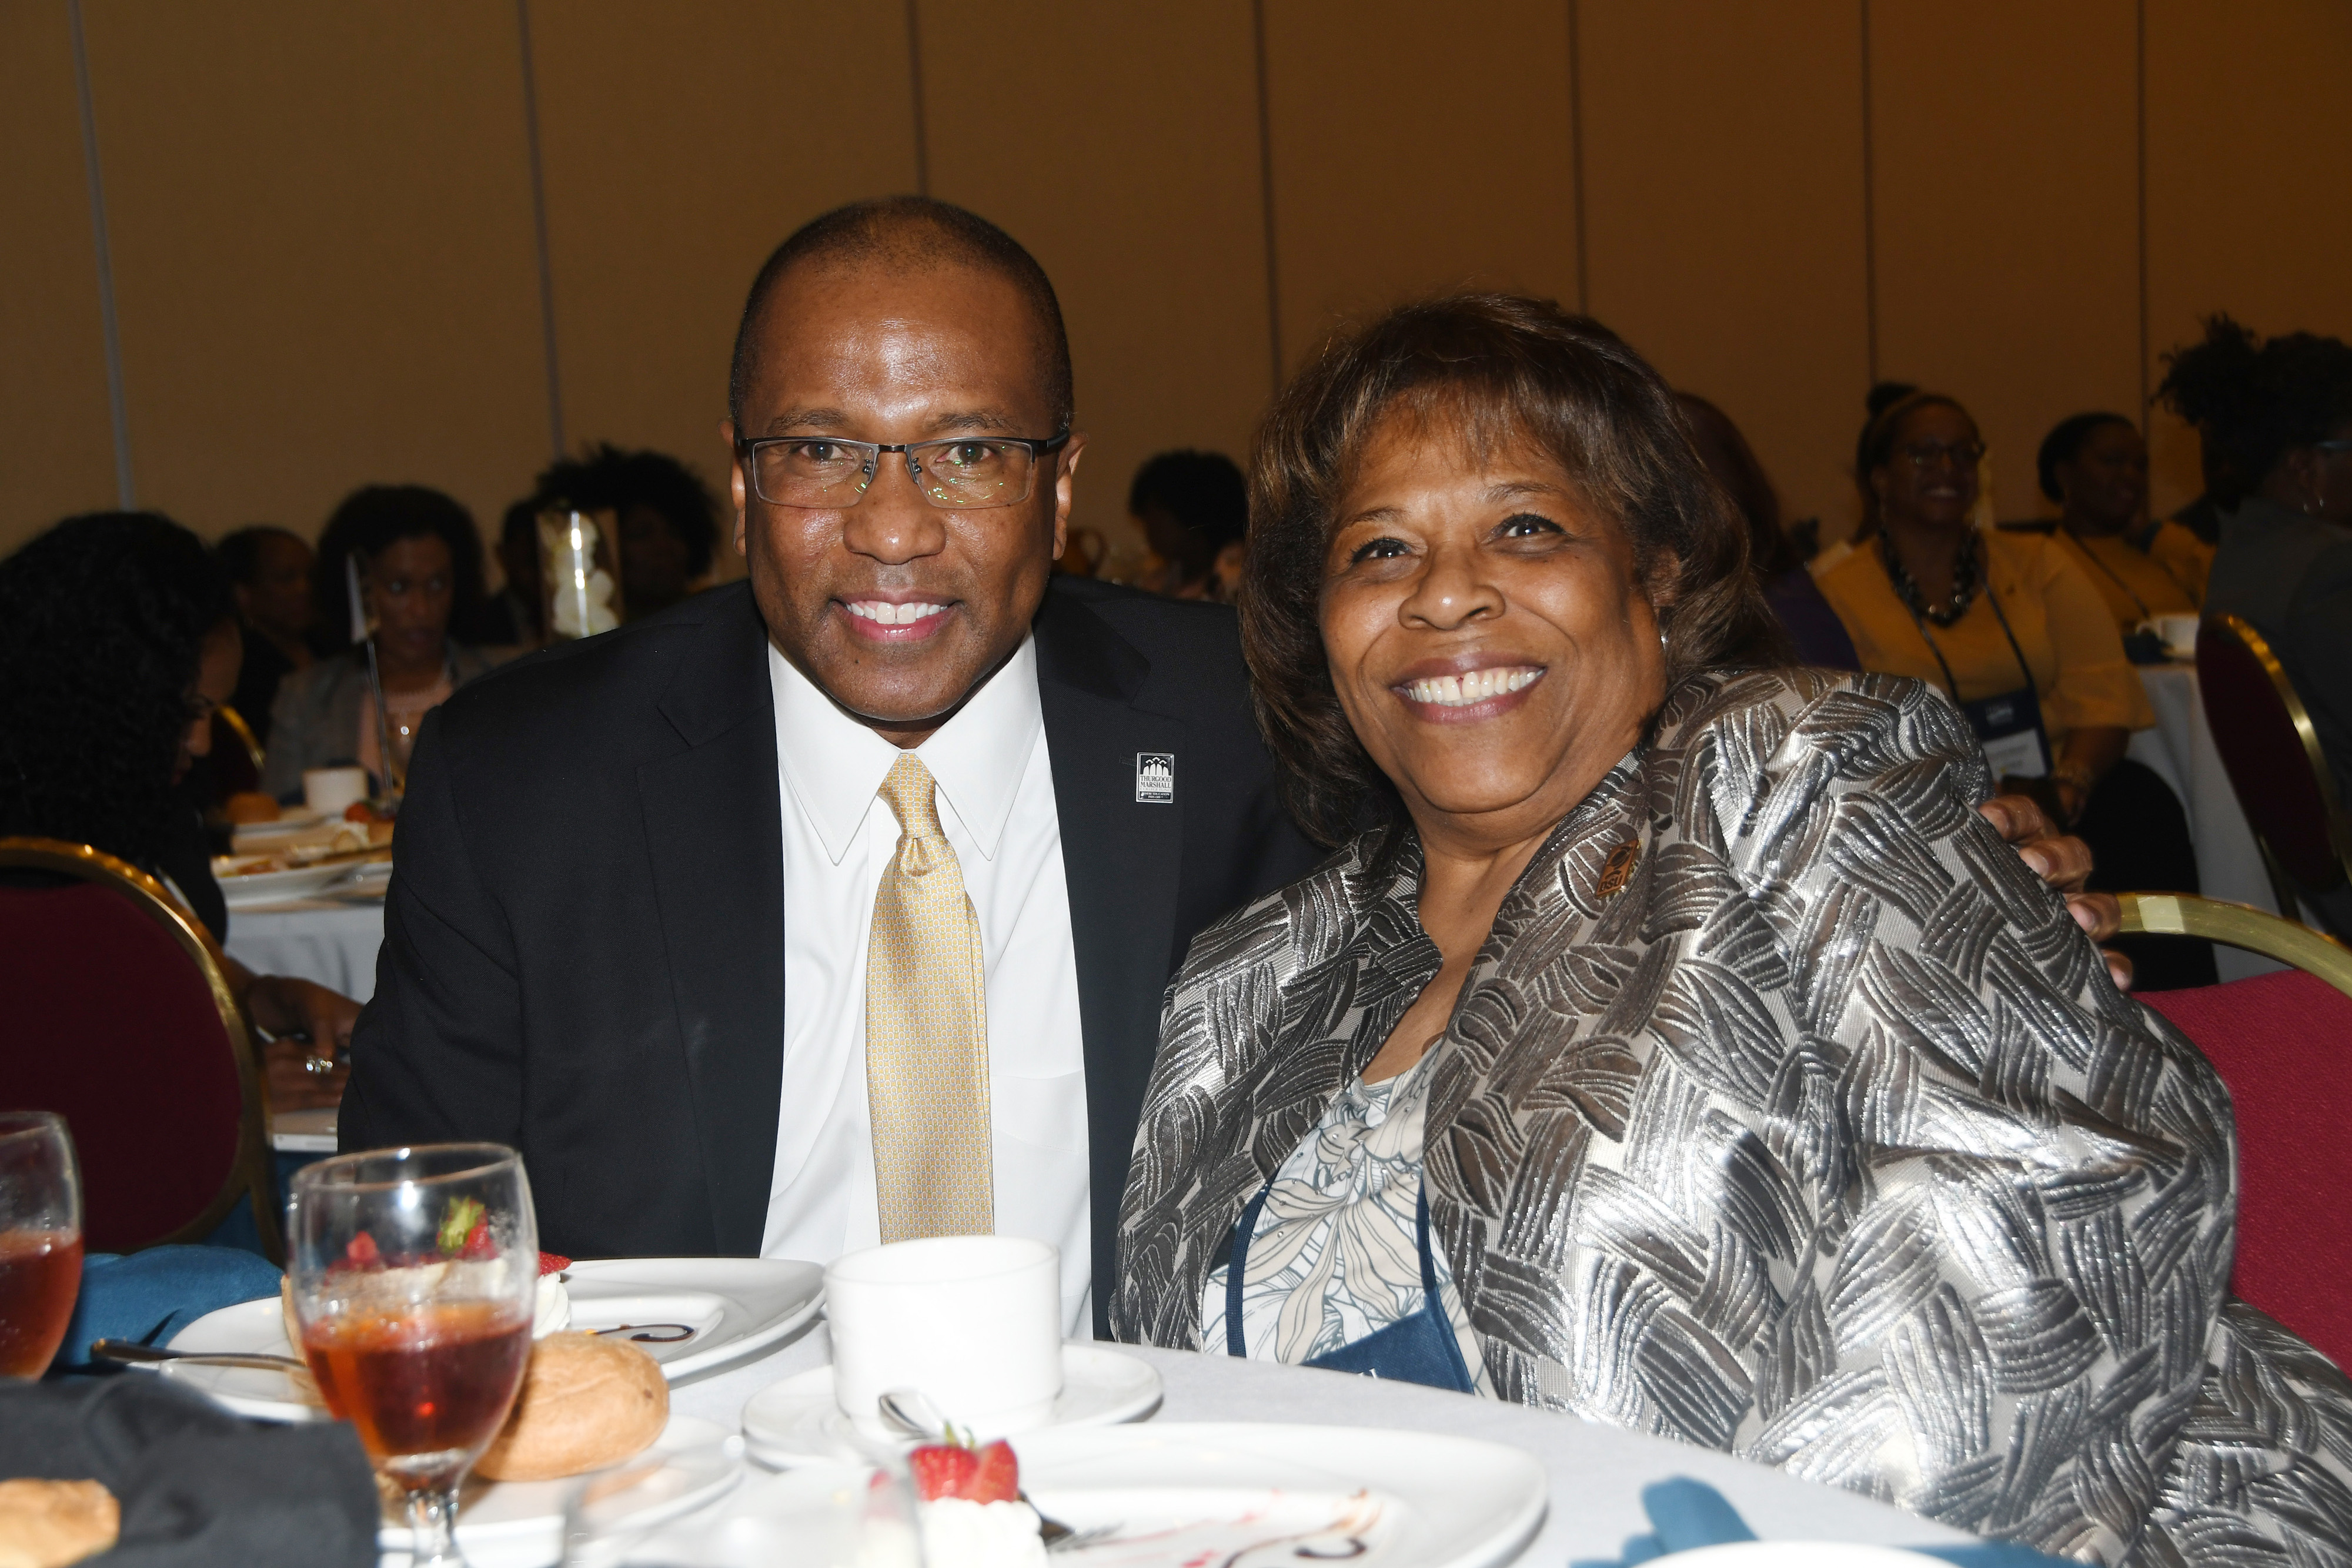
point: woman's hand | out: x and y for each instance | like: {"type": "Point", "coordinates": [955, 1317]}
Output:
{"type": "Point", "coordinates": [296, 1012]}
{"type": "Point", "coordinates": [2065, 865]}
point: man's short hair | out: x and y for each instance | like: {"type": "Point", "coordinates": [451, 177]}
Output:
{"type": "Point", "coordinates": [910, 234]}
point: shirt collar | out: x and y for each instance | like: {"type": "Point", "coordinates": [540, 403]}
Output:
{"type": "Point", "coordinates": [835, 766]}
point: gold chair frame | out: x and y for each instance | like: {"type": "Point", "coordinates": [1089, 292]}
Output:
{"type": "Point", "coordinates": [235, 721]}
{"type": "Point", "coordinates": [2238, 926]}
{"type": "Point", "coordinates": [250, 1173]}
{"type": "Point", "coordinates": [2339, 827]}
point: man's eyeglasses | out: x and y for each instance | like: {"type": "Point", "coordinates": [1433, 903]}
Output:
{"type": "Point", "coordinates": [962, 471]}
{"type": "Point", "coordinates": [2339, 445]}
{"type": "Point", "coordinates": [1925, 454]}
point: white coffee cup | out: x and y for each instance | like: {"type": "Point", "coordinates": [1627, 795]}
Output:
{"type": "Point", "coordinates": [971, 1322]}
{"type": "Point", "coordinates": [329, 790]}
{"type": "Point", "coordinates": [2177, 633]}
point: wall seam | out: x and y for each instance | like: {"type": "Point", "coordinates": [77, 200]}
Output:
{"type": "Point", "coordinates": [110, 326]}
{"type": "Point", "coordinates": [2139, 94]}
{"type": "Point", "coordinates": [1266, 192]}
{"type": "Point", "coordinates": [1869, 210]}
{"type": "Point", "coordinates": [538, 233]}
{"type": "Point", "coordinates": [915, 78]}
{"type": "Point", "coordinates": [1576, 155]}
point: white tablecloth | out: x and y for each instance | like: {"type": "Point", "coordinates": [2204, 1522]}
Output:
{"type": "Point", "coordinates": [1596, 1472]}
{"type": "Point", "coordinates": [329, 940]}
{"type": "Point", "coordinates": [2181, 751]}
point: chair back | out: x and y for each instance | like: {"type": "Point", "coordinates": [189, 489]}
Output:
{"type": "Point", "coordinates": [2282, 1043]}
{"type": "Point", "coordinates": [238, 758]}
{"type": "Point", "coordinates": [2272, 753]}
{"type": "Point", "coordinates": [122, 1020]}
{"type": "Point", "coordinates": [2238, 926]}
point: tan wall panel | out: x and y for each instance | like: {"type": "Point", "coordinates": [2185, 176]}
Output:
{"type": "Point", "coordinates": [56, 441]}
{"type": "Point", "coordinates": [322, 249]}
{"type": "Point", "coordinates": [1119, 144]}
{"type": "Point", "coordinates": [2250, 182]}
{"type": "Point", "coordinates": [1417, 150]}
{"type": "Point", "coordinates": [2006, 187]}
{"type": "Point", "coordinates": [1724, 217]}
{"type": "Point", "coordinates": [680, 146]}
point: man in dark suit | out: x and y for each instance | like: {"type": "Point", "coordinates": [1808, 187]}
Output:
{"type": "Point", "coordinates": [670, 916]}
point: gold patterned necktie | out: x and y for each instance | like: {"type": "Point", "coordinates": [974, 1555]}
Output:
{"type": "Point", "coordinates": [927, 1030]}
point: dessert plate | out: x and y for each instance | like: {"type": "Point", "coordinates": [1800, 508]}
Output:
{"type": "Point", "coordinates": [796, 1422]}
{"type": "Point", "coordinates": [727, 1307]}
{"type": "Point", "coordinates": [519, 1524]}
{"type": "Point", "coordinates": [242, 891]}
{"type": "Point", "coordinates": [1249, 1496]}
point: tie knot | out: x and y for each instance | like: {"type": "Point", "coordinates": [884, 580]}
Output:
{"type": "Point", "coordinates": [910, 792]}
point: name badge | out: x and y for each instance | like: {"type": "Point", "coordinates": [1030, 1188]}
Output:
{"type": "Point", "coordinates": [2009, 727]}
{"type": "Point", "coordinates": [1155, 777]}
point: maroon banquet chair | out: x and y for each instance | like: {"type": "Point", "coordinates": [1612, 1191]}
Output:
{"type": "Point", "coordinates": [2283, 1044]}
{"type": "Point", "coordinates": [120, 1018]}
{"type": "Point", "coordinates": [2272, 753]}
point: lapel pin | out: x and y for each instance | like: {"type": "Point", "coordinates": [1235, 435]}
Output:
{"type": "Point", "coordinates": [1155, 777]}
{"type": "Point", "coordinates": [1618, 869]}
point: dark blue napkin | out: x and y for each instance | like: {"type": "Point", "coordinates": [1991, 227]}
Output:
{"type": "Point", "coordinates": [147, 1297]}
{"type": "Point", "coordinates": [1686, 1514]}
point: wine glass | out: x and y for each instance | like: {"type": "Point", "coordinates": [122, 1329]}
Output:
{"type": "Point", "coordinates": [40, 1238]}
{"type": "Point", "coordinates": [415, 1271]}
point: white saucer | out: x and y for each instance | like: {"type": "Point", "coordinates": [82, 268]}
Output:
{"type": "Point", "coordinates": [796, 1422]}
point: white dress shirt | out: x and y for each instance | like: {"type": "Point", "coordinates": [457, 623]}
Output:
{"type": "Point", "coordinates": [996, 805]}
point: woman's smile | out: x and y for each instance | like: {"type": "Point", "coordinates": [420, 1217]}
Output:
{"type": "Point", "coordinates": [1466, 691]}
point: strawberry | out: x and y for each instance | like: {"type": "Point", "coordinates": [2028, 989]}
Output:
{"type": "Point", "coordinates": [478, 1244]}
{"type": "Point", "coordinates": [361, 1252]}
{"type": "Point", "coordinates": [998, 1478]}
{"type": "Point", "coordinates": [942, 1471]}
{"type": "Point", "coordinates": [554, 1264]}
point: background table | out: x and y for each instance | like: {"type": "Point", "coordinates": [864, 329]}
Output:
{"type": "Point", "coordinates": [2180, 749]}
{"type": "Point", "coordinates": [332, 941]}
{"type": "Point", "coordinates": [1596, 1472]}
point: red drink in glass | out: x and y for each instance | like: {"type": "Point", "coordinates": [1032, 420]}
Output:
{"type": "Point", "coordinates": [40, 1274]}
{"type": "Point", "coordinates": [428, 1388]}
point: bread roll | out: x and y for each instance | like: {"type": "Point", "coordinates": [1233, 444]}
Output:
{"type": "Point", "coordinates": [586, 1403]}
{"type": "Point", "coordinates": [47, 1524]}
{"type": "Point", "coordinates": [249, 805]}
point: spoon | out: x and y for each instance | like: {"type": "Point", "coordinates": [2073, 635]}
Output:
{"type": "Point", "coordinates": [125, 1350]}
{"type": "Point", "coordinates": [919, 1415]}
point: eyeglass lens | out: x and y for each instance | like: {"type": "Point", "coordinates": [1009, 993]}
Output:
{"type": "Point", "coordinates": [834, 474]}
{"type": "Point", "coordinates": [1931, 454]}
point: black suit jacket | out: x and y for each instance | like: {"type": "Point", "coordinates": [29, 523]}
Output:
{"type": "Point", "coordinates": [584, 948]}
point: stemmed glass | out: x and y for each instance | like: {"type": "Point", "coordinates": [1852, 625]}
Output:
{"type": "Point", "coordinates": [415, 1271]}
{"type": "Point", "coordinates": [40, 1239]}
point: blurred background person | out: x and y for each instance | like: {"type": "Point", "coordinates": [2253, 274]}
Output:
{"type": "Point", "coordinates": [269, 570]}
{"type": "Point", "coordinates": [1813, 627]}
{"type": "Point", "coordinates": [2281, 413]}
{"type": "Point", "coordinates": [514, 615]}
{"type": "Point", "coordinates": [2009, 627]}
{"type": "Point", "coordinates": [2095, 465]}
{"type": "Point", "coordinates": [118, 638]}
{"type": "Point", "coordinates": [1193, 508]}
{"type": "Point", "coordinates": [420, 566]}
{"type": "Point", "coordinates": [667, 518]}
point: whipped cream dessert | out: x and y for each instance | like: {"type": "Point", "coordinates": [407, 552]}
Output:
{"type": "Point", "coordinates": [961, 1533]}
{"type": "Point", "coordinates": [551, 1311]}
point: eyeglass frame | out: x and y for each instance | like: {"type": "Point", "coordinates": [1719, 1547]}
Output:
{"type": "Point", "coordinates": [1943, 455]}
{"type": "Point", "coordinates": [2337, 443]}
{"type": "Point", "coordinates": [1038, 447]}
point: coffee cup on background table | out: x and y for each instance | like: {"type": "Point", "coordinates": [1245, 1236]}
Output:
{"type": "Point", "coordinates": [2177, 633]}
{"type": "Point", "coordinates": [330, 791]}
{"type": "Point", "coordinates": [971, 1322]}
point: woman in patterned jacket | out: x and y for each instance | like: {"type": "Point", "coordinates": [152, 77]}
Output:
{"type": "Point", "coordinates": [1669, 1041]}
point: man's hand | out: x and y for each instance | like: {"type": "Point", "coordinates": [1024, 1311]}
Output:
{"type": "Point", "coordinates": [297, 1011]}
{"type": "Point", "coordinates": [2065, 865]}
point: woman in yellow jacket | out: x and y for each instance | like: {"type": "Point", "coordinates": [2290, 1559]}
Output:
{"type": "Point", "coordinates": [2095, 465]}
{"type": "Point", "coordinates": [2010, 628]}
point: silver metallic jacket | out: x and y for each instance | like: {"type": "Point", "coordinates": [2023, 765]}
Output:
{"type": "Point", "coordinates": [1822, 1139]}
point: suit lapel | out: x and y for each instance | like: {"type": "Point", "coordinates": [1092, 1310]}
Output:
{"type": "Point", "coordinates": [1122, 859]}
{"type": "Point", "coordinates": [712, 830]}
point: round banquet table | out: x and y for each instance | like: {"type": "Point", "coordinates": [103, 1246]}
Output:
{"type": "Point", "coordinates": [1596, 1472]}
{"type": "Point", "coordinates": [331, 940]}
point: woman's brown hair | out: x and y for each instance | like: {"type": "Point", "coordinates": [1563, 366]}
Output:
{"type": "Point", "coordinates": [1504, 370]}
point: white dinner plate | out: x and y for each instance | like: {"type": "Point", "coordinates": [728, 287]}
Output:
{"type": "Point", "coordinates": [519, 1524]}
{"type": "Point", "coordinates": [1800, 1554]}
{"type": "Point", "coordinates": [1252, 1496]}
{"type": "Point", "coordinates": [796, 1422]}
{"type": "Point", "coordinates": [290, 820]}
{"type": "Point", "coordinates": [732, 1307]}
{"type": "Point", "coordinates": [275, 886]}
